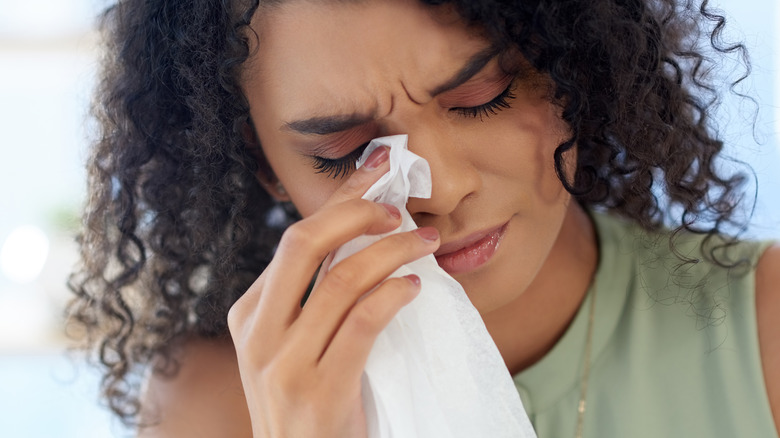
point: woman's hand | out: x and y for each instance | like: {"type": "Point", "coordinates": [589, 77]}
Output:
{"type": "Point", "coordinates": [301, 367]}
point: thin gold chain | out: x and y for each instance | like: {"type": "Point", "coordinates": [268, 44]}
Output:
{"type": "Point", "coordinates": [586, 366]}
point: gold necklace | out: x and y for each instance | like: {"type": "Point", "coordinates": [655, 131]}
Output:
{"type": "Point", "coordinates": [586, 366]}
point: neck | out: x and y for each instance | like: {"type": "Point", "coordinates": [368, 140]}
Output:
{"type": "Point", "coordinates": [528, 328]}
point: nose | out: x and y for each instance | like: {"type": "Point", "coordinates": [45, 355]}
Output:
{"type": "Point", "coordinates": [454, 177]}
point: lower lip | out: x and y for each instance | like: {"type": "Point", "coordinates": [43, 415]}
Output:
{"type": "Point", "coordinates": [473, 256]}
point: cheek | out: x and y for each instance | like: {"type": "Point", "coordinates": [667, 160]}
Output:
{"type": "Point", "coordinates": [532, 134]}
{"type": "Point", "coordinates": [308, 190]}
{"type": "Point", "coordinates": [551, 132]}
{"type": "Point", "coordinates": [308, 197]}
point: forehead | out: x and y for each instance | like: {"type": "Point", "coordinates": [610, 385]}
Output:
{"type": "Point", "coordinates": [354, 53]}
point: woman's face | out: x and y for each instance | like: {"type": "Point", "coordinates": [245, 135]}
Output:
{"type": "Point", "coordinates": [329, 76]}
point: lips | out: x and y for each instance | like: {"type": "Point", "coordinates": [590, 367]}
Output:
{"type": "Point", "coordinates": [471, 252]}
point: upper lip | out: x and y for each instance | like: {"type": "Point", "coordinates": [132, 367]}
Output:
{"type": "Point", "coordinates": [455, 245]}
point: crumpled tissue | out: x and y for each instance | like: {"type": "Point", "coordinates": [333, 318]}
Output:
{"type": "Point", "coordinates": [434, 372]}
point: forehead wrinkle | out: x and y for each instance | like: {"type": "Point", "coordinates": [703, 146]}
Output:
{"type": "Point", "coordinates": [329, 111]}
{"type": "Point", "coordinates": [445, 66]}
{"type": "Point", "coordinates": [321, 96]}
{"type": "Point", "coordinates": [327, 106]}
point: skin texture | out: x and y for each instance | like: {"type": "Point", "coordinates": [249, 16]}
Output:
{"type": "Point", "coordinates": [382, 59]}
{"type": "Point", "coordinates": [768, 309]}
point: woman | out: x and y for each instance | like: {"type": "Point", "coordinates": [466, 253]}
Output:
{"type": "Point", "coordinates": [221, 123]}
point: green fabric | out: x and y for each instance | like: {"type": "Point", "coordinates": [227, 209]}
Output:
{"type": "Point", "coordinates": [675, 346]}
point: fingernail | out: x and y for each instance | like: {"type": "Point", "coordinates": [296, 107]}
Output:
{"type": "Point", "coordinates": [392, 211]}
{"type": "Point", "coordinates": [376, 158]}
{"type": "Point", "coordinates": [413, 278]}
{"type": "Point", "coordinates": [429, 234]}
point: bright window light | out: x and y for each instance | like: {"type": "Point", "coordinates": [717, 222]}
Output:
{"type": "Point", "coordinates": [24, 253]}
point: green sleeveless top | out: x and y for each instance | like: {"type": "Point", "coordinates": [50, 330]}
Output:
{"type": "Point", "coordinates": [675, 346]}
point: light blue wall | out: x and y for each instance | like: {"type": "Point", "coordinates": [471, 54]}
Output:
{"type": "Point", "coordinates": [756, 23]}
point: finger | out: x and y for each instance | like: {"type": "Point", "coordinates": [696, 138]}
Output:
{"type": "Point", "coordinates": [351, 278]}
{"type": "Point", "coordinates": [303, 247]}
{"type": "Point", "coordinates": [375, 166]}
{"type": "Point", "coordinates": [290, 271]}
{"type": "Point", "coordinates": [358, 183]}
{"type": "Point", "coordinates": [346, 356]}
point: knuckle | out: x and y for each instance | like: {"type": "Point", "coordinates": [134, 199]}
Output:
{"type": "Point", "coordinates": [285, 381]}
{"type": "Point", "coordinates": [276, 374]}
{"type": "Point", "coordinates": [367, 318]}
{"type": "Point", "coordinates": [297, 236]}
{"type": "Point", "coordinates": [277, 383]}
{"type": "Point", "coordinates": [354, 185]}
{"type": "Point", "coordinates": [234, 318]}
{"type": "Point", "coordinates": [342, 277]}
{"type": "Point", "coordinates": [237, 315]}
{"type": "Point", "coordinates": [242, 309]}
{"type": "Point", "coordinates": [357, 184]}
{"type": "Point", "coordinates": [397, 293]}
{"type": "Point", "coordinates": [363, 206]}
{"type": "Point", "coordinates": [356, 206]}
{"type": "Point", "coordinates": [403, 288]}
{"type": "Point", "coordinates": [373, 313]}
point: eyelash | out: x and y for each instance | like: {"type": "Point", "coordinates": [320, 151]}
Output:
{"type": "Point", "coordinates": [488, 109]}
{"type": "Point", "coordinates": [336, 168]}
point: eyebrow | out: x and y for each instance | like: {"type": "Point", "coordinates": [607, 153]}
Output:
{"type": "Point", "coordinates": [337, 123]}
{"type": "Point", "coordinates": [474, 65]}
{"type": "Point", "coordinates": [328, 124]}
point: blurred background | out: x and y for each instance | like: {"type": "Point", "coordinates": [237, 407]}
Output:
{"type": "Point", "coordinates": [48, 60]}
{"type": "Point", "coordinates": [47, 68]}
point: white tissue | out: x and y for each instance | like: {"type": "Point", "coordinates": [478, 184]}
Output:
{"type": "Point", "coordinates": [434, 371]}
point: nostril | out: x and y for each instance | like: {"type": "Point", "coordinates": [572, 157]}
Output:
{"type": "Point", "coordinates": [422, 219]}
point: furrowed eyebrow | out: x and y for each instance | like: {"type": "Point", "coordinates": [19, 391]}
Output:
{"type": "Point", "coordinates": [337, 123]}
{"type": "Point", "coordinates": [475, 64]}
{"type": "Point", "coordinates": [328, 124]}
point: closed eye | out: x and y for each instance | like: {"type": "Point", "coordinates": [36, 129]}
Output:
{"type": "Point", "coordinates": [338, 167]}
{"type": "Point", "coordinates": [498, 103]}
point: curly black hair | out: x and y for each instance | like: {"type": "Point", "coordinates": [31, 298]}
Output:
{"type": "Point", "coordinates": [176, 226]}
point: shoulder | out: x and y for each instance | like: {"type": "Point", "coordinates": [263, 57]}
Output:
{"type": "Point", "coordinates": [204, 398]}
{"type": "Point", "coordinates": [767, 312]}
